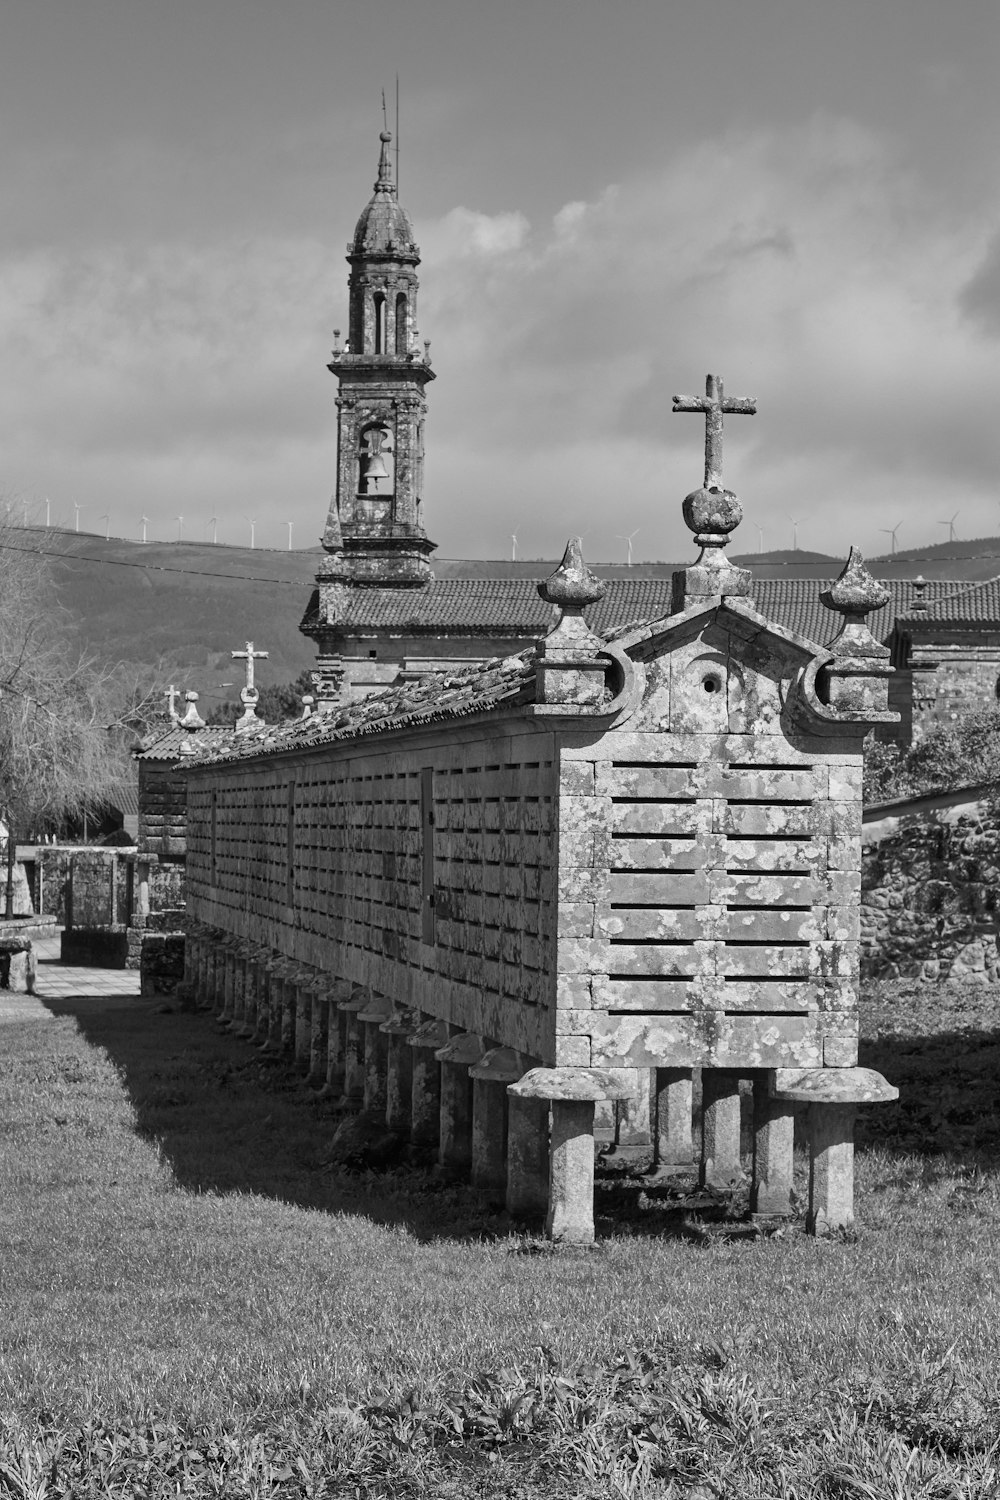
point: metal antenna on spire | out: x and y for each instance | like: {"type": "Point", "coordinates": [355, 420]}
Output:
{"type": "Point", "coordinates": [397, 135]}
{"type": "Point", "coordinates": [385, 121]}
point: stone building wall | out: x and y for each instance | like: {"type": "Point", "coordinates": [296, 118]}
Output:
{"type": "Point", "coordinates": [422, 871]}
{"type": "Point", "coordinates": [930, 893]}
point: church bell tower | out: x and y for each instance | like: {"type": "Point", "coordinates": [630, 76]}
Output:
{"type": "Point", "coordinates": [375, 519]}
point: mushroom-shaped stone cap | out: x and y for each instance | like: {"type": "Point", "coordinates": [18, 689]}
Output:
{"type": "Point", "coordinates": [379, 1010]}
{"type": "Point", "coordinates": [582, 1085]}
{"type": "Point", "coordinates": [356, 1001]}
{"type": "Point", "coordinates": [572, 585]}
{"type": "Point", "coordinates": [464, 1050]}
{"type": "Point", "coordinates": [501, 1065]}
{"type": "Point", "coordinates": [432, 1033]}
{"type": "Point", "coordinates": [832, 1086]}
{"type": "Point", "coordinates": [400, 1023]}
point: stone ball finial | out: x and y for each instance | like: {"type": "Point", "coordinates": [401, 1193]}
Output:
{"type": "Point", "coordinates": [712, 513]}
{"type": "Point", "coordinates": [192, 719]}
{"type": "Point", "coordinates": [572, 585]}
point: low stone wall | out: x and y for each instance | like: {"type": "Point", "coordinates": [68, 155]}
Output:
{"type": "Point", "coordinates": [931, 889]}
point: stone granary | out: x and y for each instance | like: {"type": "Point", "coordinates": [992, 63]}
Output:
{"type": "Point", "coordinates": [478, 905]}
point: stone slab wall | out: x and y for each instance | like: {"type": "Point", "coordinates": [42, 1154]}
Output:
{"type": "Point", "coordinates": [422, 868]}
{"type": "Point", "coordinates": [930, 893]}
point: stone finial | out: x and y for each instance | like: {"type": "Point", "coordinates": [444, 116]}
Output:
{"type": "Point", "coordinates": [568, 670]}
{"type": "Point", "coordinates": [712, 512]}
{"type": "Point", "coordinates": [307, 706]}
{"type": "Point", "coordinates": [192, 719]}
{"type": "Point", "coordinates": [384, 182]}
{"type": "Point", "coordinates": [918, 605]}
{"type": "Point", "coordinates": [328, 682]}
{"type": "Point", "coordinates": [854, 595]}
{"type": "Point", "coordinates": [856, 681]}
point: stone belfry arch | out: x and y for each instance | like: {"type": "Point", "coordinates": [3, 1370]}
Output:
{"type": "Point", "coordinates": [375, 522]}
{"type": "Point", "coordinates": [374, 535]}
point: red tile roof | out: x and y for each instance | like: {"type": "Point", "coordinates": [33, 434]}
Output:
{"type": "Point", "coordinates": [511, 606]}
{"type": "Point", "coordinates": [957, 604]}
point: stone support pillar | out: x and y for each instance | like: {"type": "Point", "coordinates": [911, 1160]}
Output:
{"type": "Point", "coordinates": [277, 969]}
{"type": "Point", "coordinates": [673, 1145]}
{"type": "Point", "coordinates": [632, 1113]}
{"type": "Point", "coordinates": [251, 993]}
{"type": "Point", "coordinates": [573, 1093]}
{"type": "Point", "coordinates": [289, 1009]}
{"type": "Point", "coordinates": [264, 965]}
{"type": "Point", "coordinates": [303, 1016]}
{"type": "Point", "coordinates": [319, 1036]}
{"type": "Point", "coordinates": [455, 1145]}
{"type": "Point", "coordinates": [241, 961]}
{"type": "Point", "coordinates": [720, 1129]}
{"type": "Point", "coordinates": [228, 987]}
{"type": "Point", "coordinates": [490, 1076]}
{"type": "Point", "coordinates": [399, 1071]}
{"type": "Point", "coordinates": [425, 1107]}
{"type": "Point", "coordinates": [832, 1095]}
{"type": "Point", "coordinates": [527, 1157]}
{"type": "Point", "coordinates": [354, 1049]}
{"type": "Point", "coordinates": [338, 992]}
{"type": "Point", "coordinates": [374, 1016]}
{"type": "Point", "coordinates": [773, 1137]}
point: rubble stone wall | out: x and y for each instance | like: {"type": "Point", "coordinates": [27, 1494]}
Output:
{"type": "Point", "coordinates": [930, 892]}
{"type": "Point", "coordinates": [332, 860]}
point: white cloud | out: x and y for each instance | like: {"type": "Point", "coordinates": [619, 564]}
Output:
{"type": "Point", "coordinates": [805, 267]}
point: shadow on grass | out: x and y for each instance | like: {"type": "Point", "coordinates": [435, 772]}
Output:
{"type": "Point", "coordinates": [949, 1095]}
{"type": "Point", "coordinates": [229, 1118]}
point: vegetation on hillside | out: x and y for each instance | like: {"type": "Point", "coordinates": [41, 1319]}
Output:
{"type": "Point", "coordinates": [277, 703]}
{"type": "Point", "coordinates": [947, 758]}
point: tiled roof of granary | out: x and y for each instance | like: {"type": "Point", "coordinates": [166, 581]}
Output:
{"type": "Point", "coordinates": [436, 696]}
{"type": "Point", "coordinates": [977, 604]}
{"type": "Point", "coordinates": [171, 744]}
{"type": "Point", "coordinates": [511, 606]}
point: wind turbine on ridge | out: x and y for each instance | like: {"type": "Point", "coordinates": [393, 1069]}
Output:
{"type": "Point", "coordinates": [951, 526]}
{"type": "Point", "coordinates": [628, 542]}
{"type": "Point", "coordinates": [890, 531]}
{"type": "Point", "coordinates": [795, 531]}
{"type": "Point", "coordinates": [145, 523]}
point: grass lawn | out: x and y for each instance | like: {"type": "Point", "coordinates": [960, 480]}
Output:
{"type": "Point", "coordinates": [193, 1302]}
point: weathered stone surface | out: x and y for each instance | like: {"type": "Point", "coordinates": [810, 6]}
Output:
{"type": "Point", "coordinates": [832, 1086]}
{"type": "Point", "coordinates": [569, 1083]}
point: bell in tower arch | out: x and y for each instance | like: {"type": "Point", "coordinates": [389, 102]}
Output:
{"type": "Point", "coordinates": [377, 467]}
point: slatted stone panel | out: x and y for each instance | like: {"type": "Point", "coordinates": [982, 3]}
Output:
{"type": "Point", "coordinates": [721, 934]}
{"type": "Point", "coordinates": [325, 862]}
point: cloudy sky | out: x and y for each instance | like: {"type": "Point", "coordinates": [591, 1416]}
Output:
{"type": "Point", "coordinates": [610, 200]}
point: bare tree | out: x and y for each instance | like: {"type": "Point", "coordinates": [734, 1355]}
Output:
{"type": "Point", "coordinates": [65, 722]}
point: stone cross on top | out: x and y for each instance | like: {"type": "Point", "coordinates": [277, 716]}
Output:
{"type": "Point", "coordinates": [714, 404]}
{"type": "Point", "coordinates": [172, 694]}
{"type": "Point", "coordinates": [249, 656]}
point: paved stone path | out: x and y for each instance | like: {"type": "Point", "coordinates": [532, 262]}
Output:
{"type": "Point", "coordinates": [56, 981]}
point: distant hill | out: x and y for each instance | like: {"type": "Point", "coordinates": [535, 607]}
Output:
{"type": "Point", "coordinates": [189, 604]}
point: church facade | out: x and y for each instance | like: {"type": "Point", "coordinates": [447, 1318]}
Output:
{"type": "Point", "coordinates": [378, 614]}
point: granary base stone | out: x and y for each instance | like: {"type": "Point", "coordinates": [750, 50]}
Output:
{"type": "Point", "coordinates": [527, 1157]}
{"type": "Point", "coordinates": [455, 1145]}
{"type": "Point", "coordinates": [399, 1072]}
{"type": "Point", "coordinates": [720, 1131]}
{"type": "Point", "coordinates": [319, 1036]}
{"type": "Point", "coordinates": [354, 1050]}
{"type": "Point", "coordinates": [773, 1140]}
{"type": "Point", "coordinates": [425, 1106]}
{"type": "Point", "coordinates": [490, 1076]}
{"type": "Point", "coordinates": [372, 1018]}
{"type": "Point", "coordinates": [572, 1093]}
{"type": "Point", "coordinates": [672, 1110]}
{"type": "Point", "coordinates": [833, 1095]}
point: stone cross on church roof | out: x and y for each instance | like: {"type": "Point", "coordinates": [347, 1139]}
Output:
{"type": "Point", "coordinates": [714, 404]}
{"type": "Point", "coordinates": [249, 656]}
